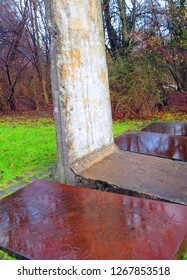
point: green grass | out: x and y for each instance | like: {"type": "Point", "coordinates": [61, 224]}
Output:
{"type": "Point", "coordinates": [5, 256]}
{"type": "Point", "coordinates": [120, 127]}
{"type": "Point", "coordinates": [184, 256]}
{"type": "Point", "coordinates": [25, 146]}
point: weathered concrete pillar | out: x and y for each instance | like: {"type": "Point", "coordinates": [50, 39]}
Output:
{"type": "Point", "coordinates": [79, 76]}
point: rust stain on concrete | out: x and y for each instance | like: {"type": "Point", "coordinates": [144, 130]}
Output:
{"type": "Point", "coordinates": [65, 74]}
{"type": "Point", "coordinates": [103, 75]}
{"type": "Point", "coordinates": [77, 24]}
{"type": "Point", "coordinates": [92, 9]}
{"type": "Point", "coordinates": [73, 57]}
{"type": "Point", "coordinates": [85, 36]}
{"type": "Point", "coordinates": [86, 101]}
{"type": "Point", "coordinates": [72, 61]}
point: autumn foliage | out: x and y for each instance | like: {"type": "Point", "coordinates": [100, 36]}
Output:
{"type": "Point", "coordinates": [147, 53]}
{"type": "Point", "coordinates": [24, 55]}
{"type": "Point", "coordinates": [146, 47]}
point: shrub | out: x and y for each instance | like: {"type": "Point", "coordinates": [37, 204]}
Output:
{"type": "Point", "coordinates": [136, 88]}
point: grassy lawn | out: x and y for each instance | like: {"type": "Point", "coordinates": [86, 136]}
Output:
{"type": "Point", "coordinates": [185, 256]}
{"type": "Point", "coordinates": [120, 127]}
{"type": "Point", "coordinates": [25, 145]}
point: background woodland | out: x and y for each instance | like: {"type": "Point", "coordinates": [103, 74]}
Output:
{"type": "Point", "coordinates": [146, 47]}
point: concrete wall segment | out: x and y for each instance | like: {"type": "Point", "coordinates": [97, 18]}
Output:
{"type": "Point", "coordinates": [80, 89]}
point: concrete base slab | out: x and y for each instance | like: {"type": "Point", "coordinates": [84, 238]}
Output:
{"type": "Point", "coordinates": [47, 220]}
{"type": "Point", "coordinates": [140, 175]}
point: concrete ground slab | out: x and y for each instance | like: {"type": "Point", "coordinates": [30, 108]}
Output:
{"type": "Point", "coordinates": [47, 220]}
{"type": "Point", "coordinates": [140, 175]}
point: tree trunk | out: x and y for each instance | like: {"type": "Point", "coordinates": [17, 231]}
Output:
{"type": "Point", "coordinates": [125, 33]}
{"type": "Point", "coordinates": [112, 35]}
{"type": "Point", "coordinates": [43, 76]}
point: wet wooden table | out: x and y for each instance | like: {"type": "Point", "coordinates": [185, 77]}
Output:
{"type": "Point", "coordinates": [52, 221]}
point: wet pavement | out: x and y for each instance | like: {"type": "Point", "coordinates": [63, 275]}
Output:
{"type": "Point", "coordinates": [171, 128]}
{"type": "Point", "coordinates": [44, 173]}
{"type": "Point", "coordinates": [162, 139]}
{"type": "Point", "coordinates": [152, 143]}
{"type": "Point", "coordinates": [47, 220]}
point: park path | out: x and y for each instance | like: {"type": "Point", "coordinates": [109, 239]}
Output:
{"type": "Point", "coordinates": [44, 173]}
